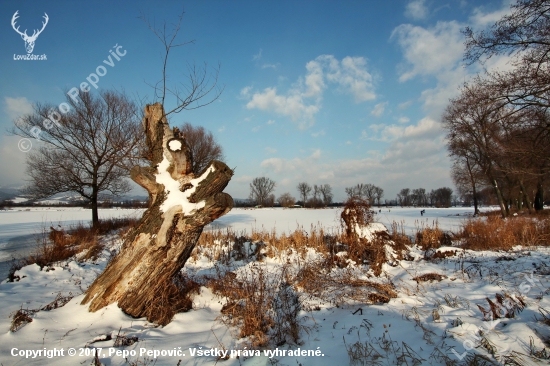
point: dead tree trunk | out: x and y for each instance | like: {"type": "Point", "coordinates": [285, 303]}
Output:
{"type": "Point", "coordinates": [140, 278]}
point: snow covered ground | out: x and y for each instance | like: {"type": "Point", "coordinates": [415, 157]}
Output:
{"type": "Point", "coordinates": [429, 323]}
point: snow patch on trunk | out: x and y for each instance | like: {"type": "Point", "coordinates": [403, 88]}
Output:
{"type": "Point", "coordinates": [174, 196]}
{"type": "Point", "coordinates": [174, 145]}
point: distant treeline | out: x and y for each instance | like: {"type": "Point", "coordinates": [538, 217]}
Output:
{"type": "Point", "coordinates": [102, 204]}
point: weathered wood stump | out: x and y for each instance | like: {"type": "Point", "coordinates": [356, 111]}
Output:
{"type": "Point", "coordinates": [140, 277]}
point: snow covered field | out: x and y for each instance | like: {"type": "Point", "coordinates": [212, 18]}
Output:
{"type": "Point", "coordinates": [20, 227]}
{"type": "Point", "coordinates": [429, 323]}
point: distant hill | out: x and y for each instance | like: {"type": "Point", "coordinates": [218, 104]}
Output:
{"type": "Point", "coordinates": [7, 193]}
{"type": "Point", "coordinates": [63, 198]}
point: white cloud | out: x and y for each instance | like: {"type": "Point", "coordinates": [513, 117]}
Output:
{"type": "Point", "coordinates": [273, 164]}
{"type": "Point", "coordinates": [403, 120]}
{"type": "Point", "coordinates": [12, 164]}
{"type": "Point", "coordinates": [481, 19]}
{"type": "Point", "coordinates": [351, 75]}
{"type": "Point", "coordinates": [270, 150]}
{"type": "Point", "coordinates": [245, 92]}
{"type": "Point", "coordinates": [422, 151]}
{"type": "Point", "coordinates": [293, 106]}
{"type": "Point", "coordinates": [377, 126]}
{"type": "Point", "coordinates": [270, 122]}
{"type": "Point", "coordinates": [318, 133]}
{"type": "Point", "coordinates": [270, 66]}
{"type": "Point", "coordinates": [379, 109]}
{"type": "Point", "coordinates": [429, 51]}
{"type": "Point", "coordinates": [405, 105]}
{"type": "Point", "coordinates": [425, 128]}
{"type": "Point", "coordinates": [417, 10]}
{"type": "Point", "coordinates": [221, 129]}
{"type": "Point", "coordinates": [301, 102]}
{"type": "Point", "coordinates": [300, 166]}
{"type": "Point", "coordinates": [257, 56]}
{"type": "Point", "coordinates": [17, 107]}
{"type": "Point", "coordinates": [242, 179]}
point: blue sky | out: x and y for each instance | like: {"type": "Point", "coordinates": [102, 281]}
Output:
{"type": "Point", "coordinates": [338, 92]}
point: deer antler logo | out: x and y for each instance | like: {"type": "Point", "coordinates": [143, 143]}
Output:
{"type": "Point", "coordinates": [29, 41]}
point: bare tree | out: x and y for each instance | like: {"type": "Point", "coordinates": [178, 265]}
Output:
{"type": "Point", "coordinates": [286, 200]}
{"type": "Point", "coordinates": [260, 189]}
{"type": "Point", "coordinates": [314, 201]}
{"type": "Point", "coordinates": [524, 33]}
{"type": "Point", "coordinates": [369, 191]}
{"type": "Point", "coordinates": [326, 192]}
{"type": "Point", "coordinates": [270, 202]}
{"type": "Point", "coordinates": [404, 197]}
{"type": "Point", "coordinates": [143, 277]}
{"type": "Point", "coordinates": [87, 150]}
{"type": "Point", "coordinates": [304, 189]}
{"type": "Point", "coordinates": [379, 193]}
{"type": "Point", "coordinates": [467, 176]}
{"type": "Point", "coordinates": [443, 197]}
{"type": "Point", "coordinates": [418, 197]}
{"type": "Point", "coordinates": [356, 191]}
{"type": "Point", "coordinates": [203, 146]}
{"type": "Point", "coordinates": [474, 124]}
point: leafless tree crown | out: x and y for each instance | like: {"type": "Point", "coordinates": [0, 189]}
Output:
{"type": "Point", "coordinates": [201, 87]}
{"type": "Point", "coordinates": [88, 151]}
{"type": "Point", "coordinates": [260, 190]}
{"type": "Point", "coordinates": [203, 146]}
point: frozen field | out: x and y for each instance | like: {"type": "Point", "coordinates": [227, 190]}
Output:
{"type": "Point", "coordinates": [403, 331]}
{"type": "Point", "coordinates": [19, 228]}
{"type": "Point", "coordinates": [286, 220]}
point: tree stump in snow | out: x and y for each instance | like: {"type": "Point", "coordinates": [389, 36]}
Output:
{"type": "Point", "coordinates": [140, 278]}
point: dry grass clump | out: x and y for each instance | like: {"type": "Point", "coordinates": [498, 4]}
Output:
{"type": "Point", "coordinates": [225, 245]}
{"type": "Point", "coordinates": [261, 305]}
{"type": "Point", "coordinates": [21, 318]}
{"type": "Point", "coordinates": [341, 286]}
{"type": "Point", "coordinates": [24, 316]}
{"type": "Point", "coordinates": [505, 306]}
{"type": "Point", "coordinates": [432, 237]}
{"type": "Point", "coordinates": [494, 233]}
{"type": "Point", "coordinates": [53, 247]}
{"type": "Point", "coordinates": [440, 254]}
{"type": "Point", "coordinates": [58, 302]}
{"type": "Point", "coordinates": [430, 277]}
{"type": "Point", "coordinates": [59, 244]}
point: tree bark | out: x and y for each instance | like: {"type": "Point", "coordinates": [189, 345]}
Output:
{"type": "Point", "coordinates": [95, 213]}
{"type": "Point", "coordinates": [501, 203]}
{"type": "Point", "coordinates": [140, 278]}
{"type": "Point", "coordinates": [539, 197]}
{"type": "Point", "coordinates": [525, 196]}
{"type": "Point", "coordinates": [474, 191]}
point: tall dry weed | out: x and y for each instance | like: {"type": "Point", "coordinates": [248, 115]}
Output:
{"type": "Point", "coordinates": [494, 233]}
{"type": "Point", "coordinates": [260, 303]}
{"type": "Point", "coordinates": [59, 244]}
